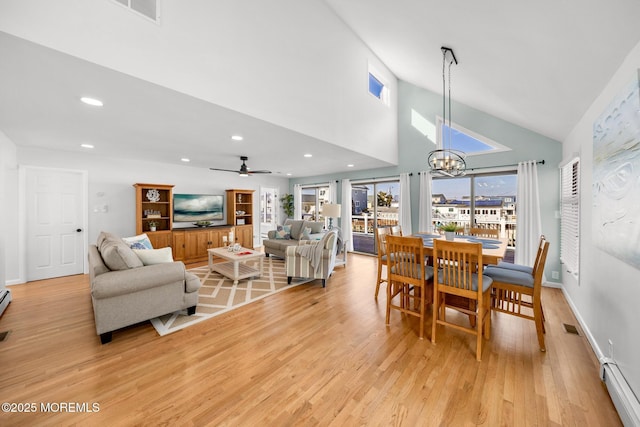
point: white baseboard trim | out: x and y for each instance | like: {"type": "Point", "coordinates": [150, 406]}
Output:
{"type": "Point", "coordinates": [625, 401]}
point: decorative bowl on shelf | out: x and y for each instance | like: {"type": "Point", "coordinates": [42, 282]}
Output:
{"type": "Point", "coordinates": [202, 223]}
{"type": "Point", "coordinates": [240, 212]}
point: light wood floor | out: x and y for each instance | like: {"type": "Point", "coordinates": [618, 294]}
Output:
{"type": "Point", "coordinates": [307, 356]}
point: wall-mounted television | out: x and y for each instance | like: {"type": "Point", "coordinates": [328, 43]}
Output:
{"type": "Point", "coordinates": [198, 207]}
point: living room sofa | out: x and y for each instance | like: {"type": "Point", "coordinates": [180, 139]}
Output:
{"type": "Point", "coordinates": [124, 291]}
{"type": "Point", "coordinates": [279, 240]}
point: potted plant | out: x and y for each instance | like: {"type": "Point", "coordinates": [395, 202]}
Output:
{"type": "Point", "coordinates": [153, 225]}
{"type": "Point", "coordinates": [287, 205]}
{"type": "Point", "coordinates": [449, 230]}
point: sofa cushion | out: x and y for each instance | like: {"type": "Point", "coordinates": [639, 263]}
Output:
{"type": "Point", "coordinates": [316, 226]}
{"type": "Point", "coordinates": [296, 227]}
{"type": "Point", "coordinates": [283, 232]}
{"type": "Point", "coordinates": [118, 256]}
{"type": "Point", "coordinates": [140, 241]}
{"type": "Point", "coordinates": [154, 256]}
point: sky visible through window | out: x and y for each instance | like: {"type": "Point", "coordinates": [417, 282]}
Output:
{"type": "Point", "coordinates": [488, 186]}
{"type": "Point", "coordinates": [375, 86]}
{"type": "Point", "coordinates": [463, 142]}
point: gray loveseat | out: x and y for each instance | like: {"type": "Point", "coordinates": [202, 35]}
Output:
{"type": "Point", "coordinates": [278, 246]}
{"type": "Point", "coordinates": [125, 292]}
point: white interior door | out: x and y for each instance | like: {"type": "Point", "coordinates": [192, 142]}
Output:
{"type": "Point", "coordinates": [268, 211]}
{"type": "Point", "coordinates": [55, 203]}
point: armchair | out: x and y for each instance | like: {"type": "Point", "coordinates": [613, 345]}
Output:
{"type": "Point", "coordinates": [312, 259]}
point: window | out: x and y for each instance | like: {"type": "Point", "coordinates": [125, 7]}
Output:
{"type": "Point", "coordinates": [313, 198]}
{"type": "Point", "coordinates": [374, 204]}
{"type": "Point", "coordinates": [458, 138]}
{"type": "Point", "coordinates": [570, 216]}
{"type": "Point", "coordinates": [377, 86]}
{"type": "Point", "coordinates": [482, 200]}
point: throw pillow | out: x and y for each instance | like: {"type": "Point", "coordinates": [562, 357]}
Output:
{"type": "Point", "coordinates": [118, 256]}
{"type": "Point", "coordinates": [316, 227]}
{"type": "Point", "coordinates": [296, 227]}
{"type": "Point", "coordinates": [154, 256]}
{"type": "Point", "coordinates": [140, 241]}
{"type": "Point", "coordinates": [306, 234]}
{"type": "Point", "coordinates": [283, 232]}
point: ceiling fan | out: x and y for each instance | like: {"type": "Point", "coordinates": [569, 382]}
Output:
{"type": "Point", "coordinates": [244, 170]}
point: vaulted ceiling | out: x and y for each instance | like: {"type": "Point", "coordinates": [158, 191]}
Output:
{"type": "Point", "coordinates": [536, 64]}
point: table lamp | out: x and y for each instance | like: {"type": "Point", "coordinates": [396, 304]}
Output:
{"type": "Point", "coordinates": [331, 211]}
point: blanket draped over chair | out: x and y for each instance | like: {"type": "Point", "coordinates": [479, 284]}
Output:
{"type": "Point", "coordinates": [313, 252]}
{"type": "Point", "coordinates": [312, 259]}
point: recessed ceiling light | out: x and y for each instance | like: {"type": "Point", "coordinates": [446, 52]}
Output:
{"type": "Point", "coordinates": [184, 159]}
{"type": "Point", "coordinates": [91, 101]}
{"type": "Point", "coordinates": [308, 155]}
{"type": "Point", "coordinates": [237, 138]}
{"type": "Point", "coordinates": [349, 165]}
{"type": "Point", "coordinates": [288, 173]}
{"type": "Point", "coordinates": [86, 145]}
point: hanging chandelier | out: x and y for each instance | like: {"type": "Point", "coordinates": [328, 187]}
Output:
{"type": "Point", "coordinates": [446, 162]}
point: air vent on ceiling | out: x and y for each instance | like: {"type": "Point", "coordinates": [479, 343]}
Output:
{"type": "Point", "coordinates": [147, 8]}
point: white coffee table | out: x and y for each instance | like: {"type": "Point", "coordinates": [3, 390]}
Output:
{"type": "Point", "coordinates": [235, 267]}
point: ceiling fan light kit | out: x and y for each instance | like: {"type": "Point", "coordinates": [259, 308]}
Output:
{"type": "Point", "coordinates": [244, 170]}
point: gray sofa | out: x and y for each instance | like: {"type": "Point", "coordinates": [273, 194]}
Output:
{"type": "Point", "coordinates": [278, 246]}
{"type": "Point", "coordinates": [125, 292]}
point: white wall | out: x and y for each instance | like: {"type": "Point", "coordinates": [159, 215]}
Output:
{"type": "Point", "coordinates": [111, 183]}
{"type": "Point", "coordinates": [607, 294]}
{"type": "Point", "coordinates": [8, 212]}
{"type": "Point", "coordinates": [292, 63]}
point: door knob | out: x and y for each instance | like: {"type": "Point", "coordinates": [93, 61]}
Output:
{"type": "Point", "coordinates": [79, 230]}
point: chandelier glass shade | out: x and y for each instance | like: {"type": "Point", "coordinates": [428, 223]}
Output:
{"type": "Point", "coordinates": [446, 162]}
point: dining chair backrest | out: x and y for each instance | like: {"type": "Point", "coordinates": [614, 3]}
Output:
{"type": "Point", "coordinates": [485, 232]}
{"type": "Point", "coordinates": [541, 246]}
{"type": "Point", "coordinates": [381, 234]}
{"type": "Point", "coordinates": [396, 230]}
{"type": "Point", "coordinates": [405, 259]}
{"type": "Point", "coordinates": [457, 266]}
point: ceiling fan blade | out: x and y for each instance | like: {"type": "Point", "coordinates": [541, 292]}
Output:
{"type": "Point", "coordinates": [262, 171]}
{"type": "Point", "coordinates": [224, 170]}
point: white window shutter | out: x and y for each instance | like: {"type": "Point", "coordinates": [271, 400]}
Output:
{"type": "Point", "coordinates": [570, 216]}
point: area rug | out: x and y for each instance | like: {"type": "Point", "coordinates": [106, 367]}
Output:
{"type": "Point", "coordinates": [219, 295]}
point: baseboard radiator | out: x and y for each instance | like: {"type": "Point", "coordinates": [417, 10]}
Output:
{"type": "Point", "coordinates": [623, 397]}
{"type": "Point", "coordinates": [5, 298]}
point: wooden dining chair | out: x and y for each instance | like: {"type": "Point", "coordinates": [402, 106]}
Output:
{"type": "Point", "coordinates": [485, 232]}
{"type": "Point", "coordinates": [410, 279]}
{"type": "Point", "coordinates": [510, 286]}
{"type": "Point", "coordinates": [381, 233]}
{"type": "Point", "coordinates": [381, 247]}
{"type": "Point", "coordinates": [455, 278]}
{"type": "Point", "coordinates": [396, 230]}
{"type": "Point", "coordinates": [521, 267]}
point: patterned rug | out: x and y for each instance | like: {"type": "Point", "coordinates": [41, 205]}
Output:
{"type": "Point", "coordinates": [218, 295]}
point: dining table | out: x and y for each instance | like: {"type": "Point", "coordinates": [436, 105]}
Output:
{"type": "Point", "coordinates": [493, 251]}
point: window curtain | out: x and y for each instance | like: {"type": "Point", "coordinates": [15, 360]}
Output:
{"type": "Point", "coordinates": [528, 223]}
{"type": "Point", "coordinates": [405, 204]}
{"type": "Point", "coordinates": [345, 215]}
{"type": "Point", "coordinates": [297, 201]}
{"type": "Point", "coordinates": [333, 192]}
{"type": "Point", "coordinates": [425, 214]}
